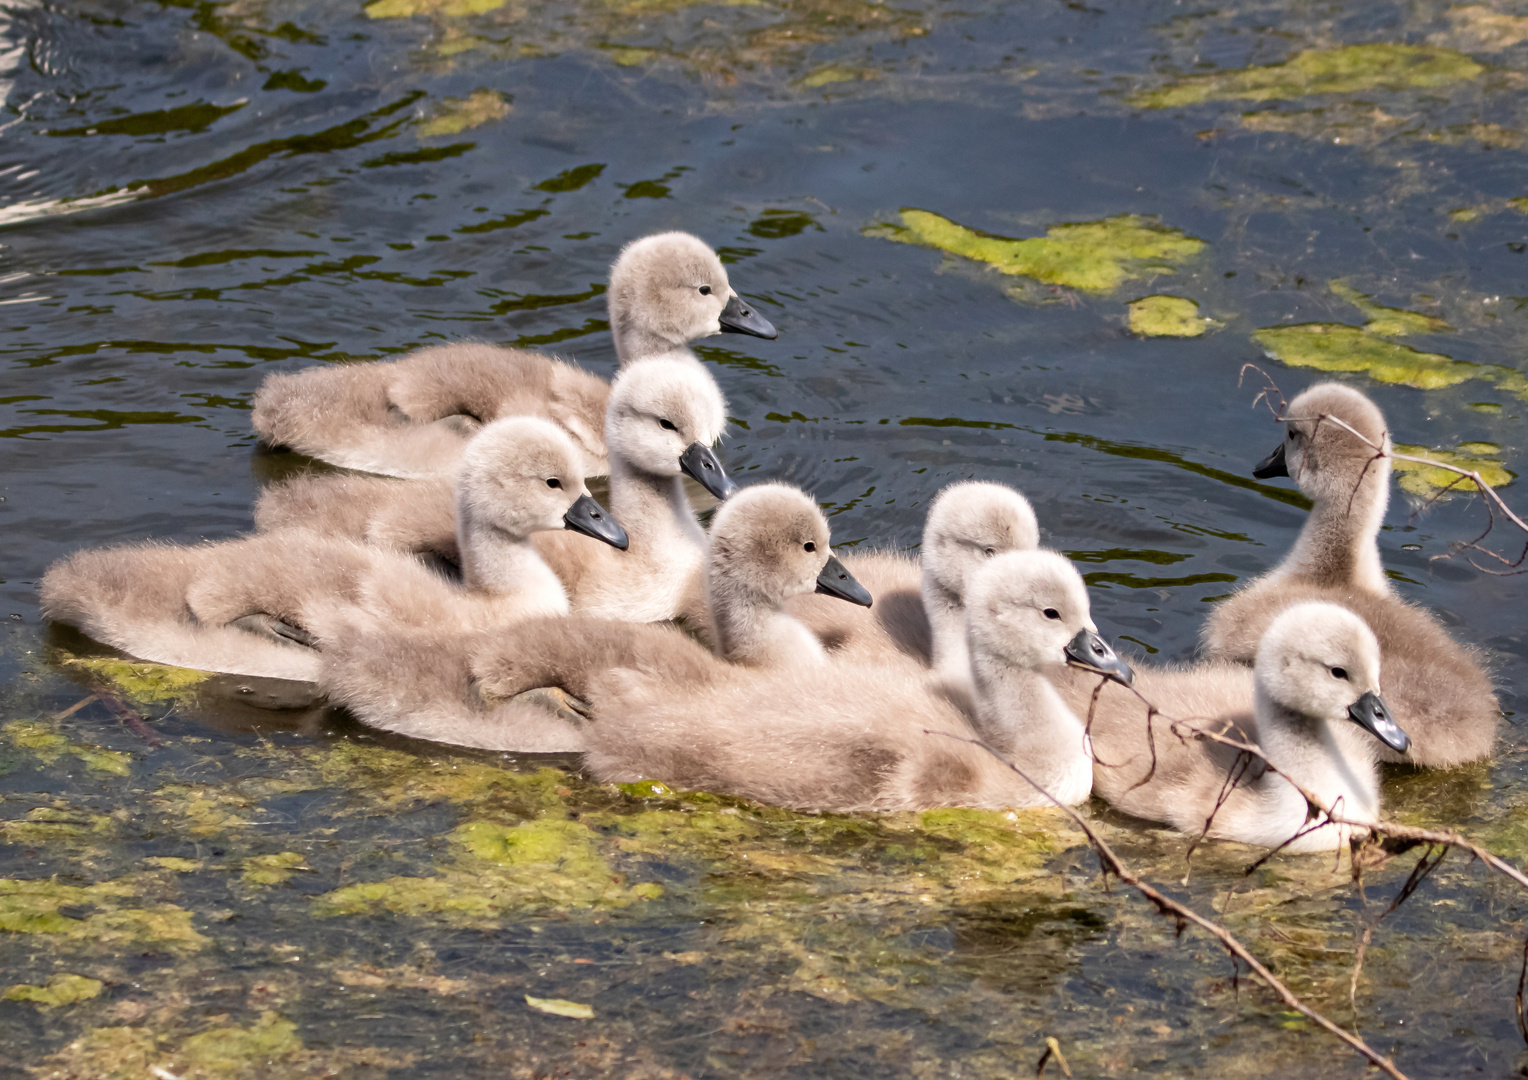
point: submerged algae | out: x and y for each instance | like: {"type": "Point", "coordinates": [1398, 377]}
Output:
{"type": "Point", "coordinates": [1344, 70]}
{"type": "Point", "coordinates": [456, 115]}
{"type": "Point", "coordinates": [1429, 481]}
{"type": "Point", "coordinates": [1092, 256]}
{"type": "Point", "coordinates": [94, 913]}
{"type": "Point", "coordinates": [45, 743]}
{"type": "Point", "coordinates": [1167, 316]}
{"type": "Point", "coordinates": [137, 681]}
{"type": "Point", "coordinates": [62, 989]}
{"type": "Point", "coordinates": [261, 870]}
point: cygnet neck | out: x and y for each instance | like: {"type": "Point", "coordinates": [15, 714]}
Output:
{"type": "Point", "coordinates": [1022, 717]}
{"type": "Point", "coordinates": [751, 629]}
{"type": "Point", "coordinates": [1336, 762]}
{"type": "Point", "coordinates": [654, 510]}
{"type": "Point", "coordinates": [502, 564]}
{"type": "Point", "coordinates": [635, 343]}
{"type": "Point", "coordinates": [947, 624]}
{"type": "Point", "coordinates": [1339, 544]}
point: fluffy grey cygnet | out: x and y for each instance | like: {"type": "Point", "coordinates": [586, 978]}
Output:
{"type": "Point", "coordinates": [1439, 689]}
{"type": "Point", "coordinates": [849, 737]}
{"type": "Point", "coordinates": [662, 418]}
{"type": "Point", "coordinates": [412, 417]}
{"type": "Point", "coordinates": [919, 612]}
{"type": "Point", "coordinates": [267, 605]}
{"type": "Point", "coordinates": [1316, 712]}
{"type": "Point", "coordinates": [767, 543]}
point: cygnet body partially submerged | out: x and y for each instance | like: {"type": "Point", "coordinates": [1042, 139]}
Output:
{"type": "Point", "coordinates": [846, 737]}
{"type": "Point", "coordinates": [768, 542]}
{"type": "Point", "coordinates": [267, 605]}
{"type": "Point", "coordinates": [411, 417]}
{"type": "Point", "coordinates": [1316, 714]}
{"type": "Point", "coordinates": [1441, 693]}
{"type": "Point", "coordinates": [919, 615]}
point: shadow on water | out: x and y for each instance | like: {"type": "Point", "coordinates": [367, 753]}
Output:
{"type": "Point", "coordinates": [1033, 243]}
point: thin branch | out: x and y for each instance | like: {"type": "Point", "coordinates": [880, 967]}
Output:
{"type": "Point", "coordinates": [1182, 915]}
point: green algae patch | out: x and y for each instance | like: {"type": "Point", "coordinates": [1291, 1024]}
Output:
{"type": "Point", "coordinates": [1428, 481]}
{"type": "Point", "coordinates": [395, 779]}
{"type": "Point", "coordinates": [173, 864]}
{"type": "Point", "coordinates": [1339, 347]}
{"type": "Point", "coordinates": [267, 870]}
{"type": "Point", "coordinates": [833, 73]}
{"type": "Point", "coordinates": [1167, 316]}
{"type": "Point", "coordinates": [539, 864]}
{"type": "Point", "coordinates": [403, 9]}
{"type": "Point", "coordinates": [1345, 70]}
{"type": "Point", "coordinates": [231, 1050]}
{"type": "Point", "coordinates": [59, 990]}
{"type": "Point", "coordinates": [95, 914]}
{"type": "Point", "coordinates": [1389, 321]}
{"type": "Point", "coordinates": [456, 115]}
{"type": "Point", "coordinates": [138, 682]}
{"type": "Point", "coordinates": [57, 825]}
{"type": "Point", "coordinates": [43, 741]}
{"type": "Point", "coordinates": [1093, 256]}
{"type": "Point", "coordinates": [200, 809]}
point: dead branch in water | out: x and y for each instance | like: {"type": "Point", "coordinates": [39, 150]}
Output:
{"type": "Point", "coordinates": [1183, 915]}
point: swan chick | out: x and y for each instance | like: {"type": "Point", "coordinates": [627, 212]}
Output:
{"type": "Point", "coordinates": [1318, 717]}
{"type": "Point", "coordinates": [669, 289]}
{"type": "Point", "coordinates": [843, 737]}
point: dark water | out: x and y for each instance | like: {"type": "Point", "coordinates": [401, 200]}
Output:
{"type": "Point", "coordinates": [195, 195]}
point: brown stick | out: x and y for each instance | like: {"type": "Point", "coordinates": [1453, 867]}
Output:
{"type": "Point", "coordinates": [1183, 914]}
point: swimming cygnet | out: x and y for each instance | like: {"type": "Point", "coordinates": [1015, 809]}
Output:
{"type": "Point", "coordinates": [663, 415]}
{"type": "Point", "coordinates": [768, 542]}
{"type": "Point", "coordinates": [411, 417]}
{"type": "Point", "coordinates": [846, 737]}
{"type": "Point", "coordinates": [1316, 713]}
{"type": "Point", "coordinates": [266, 605]}
{"type": "Point", "coordinates": [920, 611]}
{"type": "Point", "coordinates": [1440, 692]}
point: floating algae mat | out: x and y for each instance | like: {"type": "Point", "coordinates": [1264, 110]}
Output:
{"type": "Point", "coordinates": [1346, 70]}
{"type": "Point", "coordinates": [1167, 316]}
{"type": "Point", "coordinates": [1338, 347]}
{"type": "Point", "coordinates": [1092, 256]}
{"type": "Point", "coordinates": [1429, 481]}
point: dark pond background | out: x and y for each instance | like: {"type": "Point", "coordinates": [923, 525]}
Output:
{"type": "Point", "coordinates": [195, 195]}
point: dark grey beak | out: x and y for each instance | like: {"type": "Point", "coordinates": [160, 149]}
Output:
{"type": "Point", "coordinates": [592, 519]}
{"type": "Point", "coordinates": [835, 580]}
{"type": "Point", "coordinates": [1369, 712]}
{"type": "Point", "coordinates": [1271, 466]}
{"type": "Point", "coordinates": [1090, 652]}
{"type": "Point", "coordinates": [700, 465]}
{"type": "Point", "coordinates": [739, 317]}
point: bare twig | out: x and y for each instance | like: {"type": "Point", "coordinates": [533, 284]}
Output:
{"type": "Point", "coordinates": [1053, 1050]}
{"type": "Point", "coordinates": [1183, 915]}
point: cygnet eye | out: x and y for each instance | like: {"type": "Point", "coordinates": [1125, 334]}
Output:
{"type": "Point", "coordinates": [989, 552]}
{"type": "Point", "coordinates": [1051, 613]}
{"type": "Point", "coordinates": [553, 482]}
{"type": "Point", "coordinates": [809, 546]}
{"type": "Point", "coordinates": [667, 425]}
{"type": "Point", "coordinates": [705, 290]}
{"type": "Point", "coordinates": [1339, 673]}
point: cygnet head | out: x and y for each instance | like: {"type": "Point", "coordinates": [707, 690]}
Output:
{"type": "Point", "coordinates": [663, 417]}
{"type": "Point", "coordinates": [970, 523]}
{"type": "Point", "coordinates": [1322, 661]}
{"type": "Point", "coordinates": [1030, 610]}
{"type": "Point", "coordinates": [522, 475]}
{"type": "Point", "coordinates": [669, 289]}
{"type": "Point", "coordinates": [771, 541]}
{"type": "Point", "coordinates": [1324, 458]}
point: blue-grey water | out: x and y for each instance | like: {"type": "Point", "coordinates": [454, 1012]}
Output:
{"type": "Point", "coordinates": [195, 195]}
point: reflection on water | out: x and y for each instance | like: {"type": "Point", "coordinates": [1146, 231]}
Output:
{"type": "Point", "coordinates": [201, 876]}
